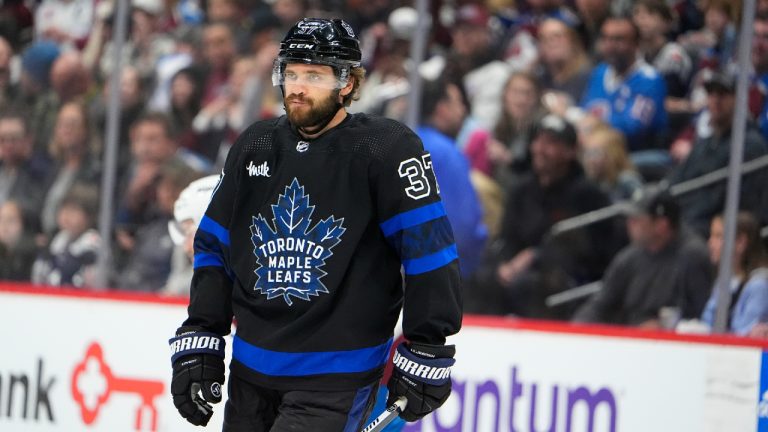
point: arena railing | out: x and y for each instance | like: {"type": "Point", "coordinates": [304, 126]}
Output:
{"type": "Point", "coordinates": [616, 209]}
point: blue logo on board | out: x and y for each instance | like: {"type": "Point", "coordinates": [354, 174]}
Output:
{"type": "Point", "coordinates": [762, 405]}
{"type": "Point", "coordinates": [291, 255]}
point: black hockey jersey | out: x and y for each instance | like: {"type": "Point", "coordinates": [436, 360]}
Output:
{"type": "Point", "coordinates": [303, 242]}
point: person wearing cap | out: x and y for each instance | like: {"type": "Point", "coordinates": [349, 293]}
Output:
{"type": "Point", "coordinates": [532, 265]}
{"type": "Point", "coordinates": [664, 266]}
{"type": "Point", "coordinates": [303, 242]}
{"type": "Point", "coordinates": [35, 91]}
{"type": "Point", "coordinates": [711, 150]}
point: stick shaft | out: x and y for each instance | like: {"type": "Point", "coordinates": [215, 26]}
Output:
{"type": "Point", "coordinates": [385, 418]}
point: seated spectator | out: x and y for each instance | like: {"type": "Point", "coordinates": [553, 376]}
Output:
{"type": "Point", "coordinates": [16, 22]}
{"type": "Point", "coordinates": [219, 55]}
{"type": "Point", "coordinates": [759, 57]}
{"type": "Point", "coordinates": [220, 121]}
{"type": "Point", "coordinates": [564, 67]}
{"type": "Point", "coordinates": [23, 177]}
{"type": "Point", "coordinates": [474, 61]}
{"type": "Point", "coordinates": [186, 50]}
{"type": "Point", "coordinates": [605, 161]}
{"type": "Point", "coordinates": [386, 87]}
{"type": "Point", "coordinates": [714, 45]}
{"type": "Point", "coordinates": [35, 93]}
{"type": "Point", "coordinates": [442, 113]}
{"type": "Point", "coordinates": [749, 284]}
{"type": "Point", "coordinates": [149, 251]}
{"type": "Point", "coordinates": [71, 148]}
{"type": "Point", "coordinates": [710, 151]}
{"type": "Point", "coordinates": [145, 44]}
{"type": "Point", "coordinates": [665, 265]}
{"type": "Point", "coordinates": [528, 265]}
{"type": "Point", "coordinates": [132, 101]}
{"type": "Point", "coordinates": [624, 90]}
{"type": "Point", "coordinates": [70, 258]}
{"type": "Point", "coordinates": [8, 84]}
{"type": "Point", "coordinates": [188, 211]}
{"type": "Point", "coordinates": [505, 154]}
{"type": "Point", "coordinates": [17, 244]}
{"type": "Point", "coordinates": [153, 145]}
{"type": "Point", "coordinates": [185, 97]}
{"type": "Point", "coordinates": [655, 20]}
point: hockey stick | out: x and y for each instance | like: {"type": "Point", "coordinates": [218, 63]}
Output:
{"type": "Point", "coordinates": [387, 416]}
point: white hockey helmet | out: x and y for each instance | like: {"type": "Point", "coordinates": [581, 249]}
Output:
{"type": "Point", "coordinates": [191, 205]}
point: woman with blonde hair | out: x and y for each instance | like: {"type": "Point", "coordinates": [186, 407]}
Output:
{"type": "Point", "coordinates": [606, 162]}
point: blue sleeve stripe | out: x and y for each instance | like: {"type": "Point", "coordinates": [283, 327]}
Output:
{"type": "Point", "coordinates": [424, 239]}
{"type": "Point", "coordinates": [211, 226]}
{"type": "Point", "coordinates": [412, 218]}
{"type": "Point", "coordinates": [205, 259]}
{"type": "Point", "coordinates": [277, 363]}
{"type": "Point", "coordinates": [430, 262]}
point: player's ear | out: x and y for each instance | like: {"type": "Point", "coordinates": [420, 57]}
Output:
{"type": "Point", "coordinates": [347, 89]}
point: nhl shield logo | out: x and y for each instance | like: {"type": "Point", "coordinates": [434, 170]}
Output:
{"type": "Point", "coordinates": [290, 257]}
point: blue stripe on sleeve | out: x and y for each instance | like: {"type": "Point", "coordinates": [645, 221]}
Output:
{"type": "Point", "coordinates": [205, 259]}
{"type": "Point", "coordinates": [423, 239]}
{"type": "Point", "coordinates": [211, 226]}
{"type": "Point", "coordinates": [277, 363]}
{"type": "Point", "coordinates": [430, 262]}
{"type": "Point", "coordinates": [412, 218]}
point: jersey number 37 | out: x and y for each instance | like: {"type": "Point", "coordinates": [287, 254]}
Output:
{"type": "Point", "coordinates": [415, 170]}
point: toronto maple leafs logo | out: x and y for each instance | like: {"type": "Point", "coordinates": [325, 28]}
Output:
{"type": "Point", "coordinates": [291, 255]}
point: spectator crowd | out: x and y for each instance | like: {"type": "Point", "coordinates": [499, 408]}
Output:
{"type": "Point", "coordinates": [534, 111]}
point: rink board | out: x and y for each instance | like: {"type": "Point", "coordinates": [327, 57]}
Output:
{"type": "Point", "coordinates": [61, 351]}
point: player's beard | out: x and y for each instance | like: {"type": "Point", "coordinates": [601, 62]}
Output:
{"type": "Point", "coordinates": [313, 113]}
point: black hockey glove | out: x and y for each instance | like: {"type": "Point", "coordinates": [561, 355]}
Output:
{"type": "Point", "coordinates": [198, 364]}
{"type": "Point", "coordinates": [421, 373]}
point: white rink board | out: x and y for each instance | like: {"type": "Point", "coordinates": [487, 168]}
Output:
{"type": "Point", "coordinates": [648, 385]}
{"type": "Point", "coordinates": [629, 385]}
{"type": "Point", "coordinates": [57, 332]}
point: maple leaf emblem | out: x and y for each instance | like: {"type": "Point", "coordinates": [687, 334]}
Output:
{"type": "Point", "coordinates": [291, 255]}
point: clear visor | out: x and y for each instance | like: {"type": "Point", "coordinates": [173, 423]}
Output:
{"type": "Point", "coordinates": [314, 75]}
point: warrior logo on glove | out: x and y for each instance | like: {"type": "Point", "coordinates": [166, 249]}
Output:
{"type": "Point", "coordinates": [421, 373]}
{"type": "Point", "coordinates": [198, 367]}
{"type": "Point", "coordinates": [216, 389]}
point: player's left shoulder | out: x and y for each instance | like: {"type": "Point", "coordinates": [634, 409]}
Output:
{"type": "Point", "coordinates": [380, 137]}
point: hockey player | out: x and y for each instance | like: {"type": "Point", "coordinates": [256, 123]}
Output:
{"type": "Point", "coordinates": [303, 242]}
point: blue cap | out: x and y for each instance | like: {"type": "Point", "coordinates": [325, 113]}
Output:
{"type": "Point", "coordinates": [38, 59]}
